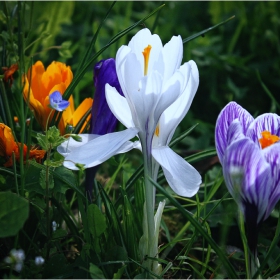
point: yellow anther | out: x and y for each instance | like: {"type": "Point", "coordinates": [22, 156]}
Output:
{"type": "Point", "coordinates": [146, 54]}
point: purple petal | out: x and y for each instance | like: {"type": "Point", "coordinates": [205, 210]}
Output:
{"type": "Point", "coordinates": [272, 155]}
{"type": "Point", "coordinates": [230, 112]}
{"type": "Point", "coordinates": [57, 103]}
{"type": "Point", "coordinates": [235, 132]}
{"type": "Point", "coordinates": [266, 122]}
{"type": "Point", "coordinates": [103, 121]}
{"type": "Point", "coordinates": [248, 175]}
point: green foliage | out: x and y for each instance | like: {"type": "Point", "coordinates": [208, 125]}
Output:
{"type": "Point", "coordinates": [199, 237]}
{"type": "Point", "coordinates": [51, 139]}
{"type": "Point", "coordinates": [14, 212]}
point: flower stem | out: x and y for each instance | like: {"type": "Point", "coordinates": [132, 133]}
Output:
{"type": "Point", "coordinates": [149, 201]}
{"type": "Point", "coordinates": [47, 192]}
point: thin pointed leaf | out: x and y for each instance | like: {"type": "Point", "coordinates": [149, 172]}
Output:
{"type": "Point", "coordinates": [206, 30]}
{"type": "Point", "coordinates": [231, 272]}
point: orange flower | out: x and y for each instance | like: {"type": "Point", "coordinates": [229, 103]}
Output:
{"type": "Point", "coordinates": [8, 146]}
{"type": "Point", "coordinates": [41, 82]}
{"type": "Point", "coordinates": [9, 71]}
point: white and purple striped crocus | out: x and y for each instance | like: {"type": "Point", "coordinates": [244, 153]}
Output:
{"type": "Point", "coordinates": [249, 151]}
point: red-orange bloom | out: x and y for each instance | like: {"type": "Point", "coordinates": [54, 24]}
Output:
{"type": "Point", "coordinates": [8, 146]}
{"type": "Point", "coordinates": [8, 74]}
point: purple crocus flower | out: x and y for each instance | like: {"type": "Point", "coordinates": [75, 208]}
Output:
{"type": "Point", "coordinates": [249, 151]}
{"type": "Point", "coordinates": [103, 120]}
{"type": "Point", "coordinates": [57, 103]}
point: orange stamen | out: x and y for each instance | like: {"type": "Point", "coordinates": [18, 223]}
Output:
{"type": "Point", "coordinates": [157, 131]}
{"type": "Point", "coordinates": [146, 54]}
{"type": "Point", "coordinates": [268, 139]}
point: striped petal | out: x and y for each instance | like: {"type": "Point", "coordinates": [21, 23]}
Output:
{"type": "Point", "coordinates": [247, 175]}
{"type": "Point", "coordinates": [266, 122]}
{"type": "Point", "coordinates": [230, 112]}
{"type": "Point", "coordinates": [272, 156]}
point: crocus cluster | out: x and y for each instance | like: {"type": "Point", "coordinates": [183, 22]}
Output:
{"type": "Point", "coordinates": [41, 82]}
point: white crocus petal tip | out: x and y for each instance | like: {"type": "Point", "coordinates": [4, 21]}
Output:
{"type": "Point", "coordinates": [183, 178]}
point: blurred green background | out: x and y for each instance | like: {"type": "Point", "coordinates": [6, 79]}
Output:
{"type": "Point", "coordinates": [228, 57]}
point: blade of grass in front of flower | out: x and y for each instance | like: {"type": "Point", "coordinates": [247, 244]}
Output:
{"type": "Point", "coordinates": [81, 123]}
{"type": "Point", "coordinates": [267, 91]}
{"type": "Point", "coordinates": [274, 243]}
{"type": "Point", "coordinates": [201, 33]}
{"type": "Point", "coordinates": [230, 270]}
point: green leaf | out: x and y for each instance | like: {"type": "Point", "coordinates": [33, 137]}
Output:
{"type": "Point", "coordinates": [59, 233]}
{"type": "Point", "coordinates": [43, 180]}
{"type": "Point", "coordinates": [14, 212]}
{"type": "Point", "coordinates": [96, 272]}
{"type": "Point", "coordinates": [228, 266]}
{"type": "Point", "coordinates": [59, 183]}
{"type": "Point", "coordinates": [51, 140]}
{"type": "Point", "coordinates": [96, 221]}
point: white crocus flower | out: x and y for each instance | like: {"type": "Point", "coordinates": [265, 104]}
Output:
{"type": "Point", "coordinates": [157, 95]}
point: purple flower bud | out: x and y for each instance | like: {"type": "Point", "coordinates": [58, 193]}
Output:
{"type": "Point", "coordinates": [57, 103]}
{"type": "Point", "coordinates": [103, 121]}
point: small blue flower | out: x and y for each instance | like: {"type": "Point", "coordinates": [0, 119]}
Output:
{"type": "Point", "coordinates": [57, 103]}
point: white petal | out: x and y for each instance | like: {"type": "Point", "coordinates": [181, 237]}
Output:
{"type": "Point", "coordinates": [100, 149]}
{"type": "Point", "coordinates": [172, 55]}
{"type": "Point", "coordinates": [174, 114]}
{"type": "Point", "coordinates": [119, 106]}
{"type": "Point", "coordinates": [132, 73]}
{"type": "Point", "coordinates": [168, 96]}
{"type": "Point", "coordinates": [180, 175]}
{"type": "Point", "coordinates": [122, 52]}
{"type": "Point", "coordinates": [70, 145]}
{"type": "Point", "coordinates": [140, 41]}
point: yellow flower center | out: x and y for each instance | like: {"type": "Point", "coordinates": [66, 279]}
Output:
{"type": "Point", "coordinates": [268, 139]}
{"type": "Point", "coordinates": [146, 54]}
